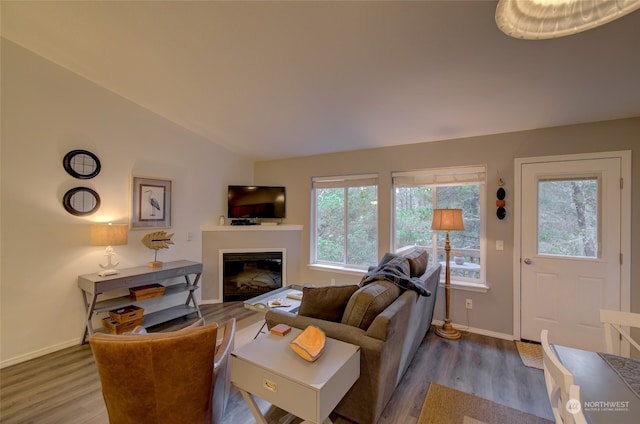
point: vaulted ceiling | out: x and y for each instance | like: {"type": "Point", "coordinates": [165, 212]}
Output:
{"type": "Point", "coordinates": [282, 79]}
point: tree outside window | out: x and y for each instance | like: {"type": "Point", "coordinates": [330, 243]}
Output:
{"type": "Point", "coordinates": [417, 194]}
{"type": "Point", "coordinates": [568, 220]}
{"type": "Point", "coordinates": [346, 221]}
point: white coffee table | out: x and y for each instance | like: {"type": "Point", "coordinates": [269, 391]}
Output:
{"type": "Point", "coordinates": [268, 368]}
{"type": "Point", "coordinates": [262, 302]}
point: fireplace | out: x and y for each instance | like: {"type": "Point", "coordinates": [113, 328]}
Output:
{"type": "Point", "coordinates": [249, 273]}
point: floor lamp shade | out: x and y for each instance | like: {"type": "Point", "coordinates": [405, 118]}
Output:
{"type": "Point", "coordinates": [447, 220]}
{"type": "Point", "coordinates": [109, 235]}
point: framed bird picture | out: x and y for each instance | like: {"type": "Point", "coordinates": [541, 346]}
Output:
{"type": "Point", "coordinates": [150, 202]}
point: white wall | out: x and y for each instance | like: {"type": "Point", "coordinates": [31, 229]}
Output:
{"type": "Point", "coordinates": [47, 111]}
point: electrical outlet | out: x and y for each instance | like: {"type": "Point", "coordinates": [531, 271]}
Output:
{"type": "Point", "coordinates": [468, 303]}
{"type": "Point", "coordinates": [333, 281]}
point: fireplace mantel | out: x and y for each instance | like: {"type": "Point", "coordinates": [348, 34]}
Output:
{"type": "Point", "coordinates": [251, 228]}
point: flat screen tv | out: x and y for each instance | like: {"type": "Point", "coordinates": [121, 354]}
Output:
{"type": "Point", "coordinates": [249, 202]}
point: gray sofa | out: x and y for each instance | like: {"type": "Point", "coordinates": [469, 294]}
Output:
{"type": "Point", "coordinates": [388, 337]}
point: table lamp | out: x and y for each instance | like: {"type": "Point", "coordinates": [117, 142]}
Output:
{"type": "Point", "coordinates": [109, 235]}
{"type": "Point", "coordinates": [447, 220]}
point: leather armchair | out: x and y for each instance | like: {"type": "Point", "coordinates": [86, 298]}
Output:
{"type": "Point", "coordinates": [162, 378]}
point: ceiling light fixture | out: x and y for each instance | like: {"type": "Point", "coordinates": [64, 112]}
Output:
{"type": "Point", "coordinates": [543, 19]}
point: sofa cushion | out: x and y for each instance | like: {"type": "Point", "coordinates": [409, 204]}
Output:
{"type": "Point", "coordinates": [366, 303]}
{"type": "Point", "coordinates": [391, 261]}
{"type": "Point", "coordinates": [397, 271]}
{"type": "Point", "coordinates": [418, 261]}
{"type": "Point", "coordinates": [388, 257]}
{"type": "Point", "coordinates": [325, 303]}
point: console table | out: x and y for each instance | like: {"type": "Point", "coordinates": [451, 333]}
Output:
{"type": "Point", "coordinates": [93, 286]}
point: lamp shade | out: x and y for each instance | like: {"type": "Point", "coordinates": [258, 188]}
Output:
{"type": "Point", "coordinates": [447, 219]}
{"type": "Point", "coordinates": [109, 234]}
{"type": "Point", "coordinates": [543, 19]}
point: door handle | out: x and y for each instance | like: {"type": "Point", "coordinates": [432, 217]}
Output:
{"type": "Point", "coordinates": [528, 261]}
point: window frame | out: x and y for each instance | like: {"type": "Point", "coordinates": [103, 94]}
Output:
{"type": "Point", "coordinates": [449, 176]}
{"type": "Point", "coordinates": [345, 182]}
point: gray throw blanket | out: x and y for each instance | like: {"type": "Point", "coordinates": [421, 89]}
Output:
{"type": "Point", "coordinates": [394, 273]}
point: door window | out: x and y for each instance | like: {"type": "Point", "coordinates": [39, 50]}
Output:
{"type": "Point", "coordinates": [568, 217]}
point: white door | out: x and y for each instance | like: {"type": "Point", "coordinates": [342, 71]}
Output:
{"type": "Point", "coordinates": [570, 249]}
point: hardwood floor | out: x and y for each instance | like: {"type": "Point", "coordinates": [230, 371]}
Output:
{"type": "Point", "coordinates": [63, 387]}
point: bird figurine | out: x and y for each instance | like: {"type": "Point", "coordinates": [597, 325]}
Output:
{"type": "Point", "coordinates": [156, 241]}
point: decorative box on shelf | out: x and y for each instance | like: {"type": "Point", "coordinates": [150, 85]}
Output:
{"type": "Point", "coordinates": [115, 327]}
{"type": "Point", "coordinates": [126, 314]}
{"type": "Point", "coordinates": [147, 292]}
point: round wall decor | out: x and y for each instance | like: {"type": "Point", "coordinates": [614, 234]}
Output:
{"type": "Point", "coordinates": [501, 212]}
{"type": "Point", "coordinates": [81, 201]}
{"type": "Point", "coordinates": [81, 164]}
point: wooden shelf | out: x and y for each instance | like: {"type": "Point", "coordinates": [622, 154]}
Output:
{"type": "Point", "coordinates": [118, 302]}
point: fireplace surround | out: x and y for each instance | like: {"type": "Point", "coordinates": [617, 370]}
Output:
{"type": "Point", "coordinates": [246, 273]}
{"type": "Point", "coordinates": [247, 238]}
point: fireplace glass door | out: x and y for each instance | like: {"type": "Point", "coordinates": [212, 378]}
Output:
{"type": "Point", "coordinates": [250, 274]}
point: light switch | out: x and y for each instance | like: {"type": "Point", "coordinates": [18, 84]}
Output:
{"type": "Point", "coordinates": [499, 244]}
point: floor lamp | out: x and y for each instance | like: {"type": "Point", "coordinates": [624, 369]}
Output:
{"type": "Point", "coordinates": [447, 220]}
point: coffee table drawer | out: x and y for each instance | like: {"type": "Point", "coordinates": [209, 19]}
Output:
{"type": "Point", "coordinates": [279, 390]}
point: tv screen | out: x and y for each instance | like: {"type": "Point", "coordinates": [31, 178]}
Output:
{"type": "Point", "coordinates": [256, 202]}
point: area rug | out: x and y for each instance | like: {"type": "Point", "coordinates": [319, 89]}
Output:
{"type": "Point", "coordinates": [444, 405]}
{"type": "Point", "coordinates": [531, 354]}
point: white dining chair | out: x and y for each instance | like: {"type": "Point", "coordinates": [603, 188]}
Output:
{"type": "Point", "coordinates": [617, 320]}
{"type": "Point", "coordinates": [577, 413]}
{"type": "Point", "coordinates": [559, 382]}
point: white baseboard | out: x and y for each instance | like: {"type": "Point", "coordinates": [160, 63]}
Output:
{"type": "Point", "coordinates": [37, 353]}
{"type": "Point", "coordinates": [474, 330]}
{"type": "Point", "coordinates": [210, 301]}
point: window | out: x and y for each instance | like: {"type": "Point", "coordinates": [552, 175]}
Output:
{"type": "Point", "coordinates": [568, 221]}
{"type": "Point", "coordinates": [417, 193]}
{"type": "Point", "coordinates": [345, 221]}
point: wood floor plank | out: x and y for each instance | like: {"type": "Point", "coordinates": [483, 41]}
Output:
{"type": "Point", "coordinates": [64, 387]}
